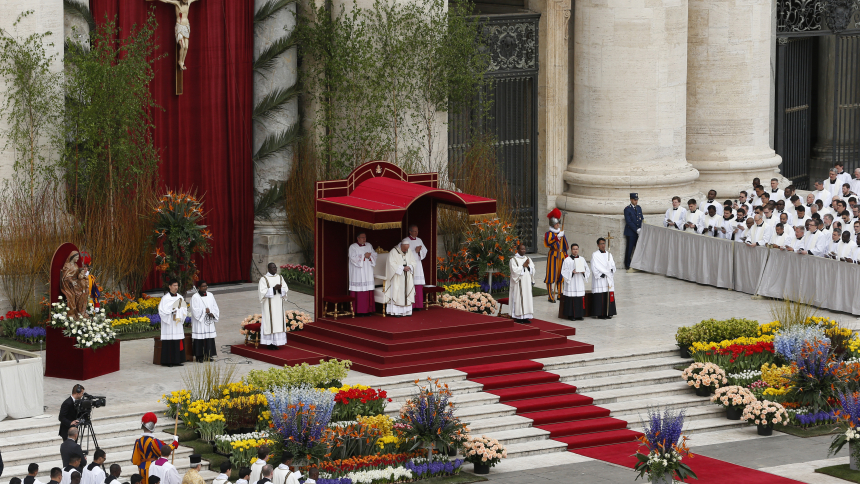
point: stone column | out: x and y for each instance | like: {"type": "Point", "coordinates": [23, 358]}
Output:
{"type": "Point", "coordinates": [728, 95]}
{"type": "Point", "coordinates": [630, 81]}
{"type": "Point", "coordinates": [553, 34]}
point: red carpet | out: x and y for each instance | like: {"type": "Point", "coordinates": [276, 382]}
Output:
{"type": "Point", "coordinates": [554, 328]}
{"type": "Point", "coordinates": [709, 471]}
{"type": "Point", "coordinates": [432, 339]}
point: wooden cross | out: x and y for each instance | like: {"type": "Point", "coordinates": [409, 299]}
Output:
{"type": "Point", "coordinates": [609, 238]}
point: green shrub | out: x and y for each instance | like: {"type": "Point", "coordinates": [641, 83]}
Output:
{"type": "Point", "coordinates": [326, 374]}
{"type": "Point", "coordinates": [714, 330]}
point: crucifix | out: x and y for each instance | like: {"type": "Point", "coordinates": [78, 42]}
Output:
{"type": "Point", "coordinates": [183, 35]}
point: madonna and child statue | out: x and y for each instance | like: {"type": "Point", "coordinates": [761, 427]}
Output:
{"type": "Point", "coordinates": [75, 285]}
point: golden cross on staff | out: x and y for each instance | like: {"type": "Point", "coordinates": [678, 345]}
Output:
{"type": "Point", "coordinates": [183, 36]}
{"type": "Point", "coordinates": [609, 238]}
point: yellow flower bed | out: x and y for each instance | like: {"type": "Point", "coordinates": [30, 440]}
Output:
{"type": "Point", "coordinates": [770, 328]}
{"type": "Point", "coordinates": [776, 376]}
{"type": "Point", "coordinates": [148, 306]}
{"type": "Point", "coordinates": [347, 388]}
{"type": "Point", "coordinates": [465, 286]}
{"type": "Point", "coordinates": [382, 422]}
{"type": "Point", "coordinates": [744, 340]}
{"type": "Point", "coordinates": [238, 388]}
{"type": "Point", "coordinates": [775, 391]}
{"type": "Point", "coordinates": [391, 439]}
{"type": "Point", "coordinates": [212, 417]}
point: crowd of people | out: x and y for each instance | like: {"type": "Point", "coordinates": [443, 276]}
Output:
{"type": "Point", "coordinates": [825, 223]}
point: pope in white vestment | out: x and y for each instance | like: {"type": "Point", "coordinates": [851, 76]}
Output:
{"type": "Point", "coordinates": [172, 310]}
{"type": "Point", "coordinates": [204, 315]}
{"type": "Point", "coordinates": [165, 471]}
{"type": "Point", "coordinates": [520, 288]}
{"type": "Point", "coordinates": [400, 282]}
{"type": "Point", "coordinates": [575, 272]}
{"type": "Point", "coordinates": [273, 330]}
{"type": "Point", "coordinates": [602, 282]}
{"type": "Point", "coordinates": [362, 260]}
{"type": "Point", "coordinates": [419, 251]}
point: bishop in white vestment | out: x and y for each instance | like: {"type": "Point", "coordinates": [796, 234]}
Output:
{"type": "Point", "coordinates": [419, 251]}
{"type": "Point", "coordinates": [204, 315]}
{"type": "Point", "coordinates": [172, 310]}
{"type": "Point", "coordinates": [521, 283]}
{"type": "Point", "coordinates": [362, 260]}
{"type": "Point", "coordinates": [399, 280]}
{"type": "Point", "coordinates": [273, 293]}
{"type": "Point", "coordinates": [575, 272]}
{"type": "Point", "coordinates": [602, 282]}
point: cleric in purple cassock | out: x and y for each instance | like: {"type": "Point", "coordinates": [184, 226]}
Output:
{"type": "Point", "coordinates": [362, 260]}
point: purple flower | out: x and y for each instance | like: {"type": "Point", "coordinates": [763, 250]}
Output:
{"type": "Point", "coordinates": [850, 408]}
{"type": "Point", "coordinates": [154, 319]}
{"type": "Point", "coordinates": [663, 430]}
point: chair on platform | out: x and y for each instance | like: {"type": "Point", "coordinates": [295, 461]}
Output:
{"type": "Point", "coordinates": [379, 278]}
{"type": "Point", "coordinates": [502, 302]}
{"type": "Point", "coordinates": [336, 301]}
{"type": "Point", "coordinates": [435, 291]}
{"type": "Point", "coordinates": [253, 334]}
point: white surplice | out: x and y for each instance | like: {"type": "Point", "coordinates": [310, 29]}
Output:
{"type": "Point", "coordinates": [715, 222]}
{"type": "Point", "coordinates": [274, 325]}
{"type": "Point", "coordinates": [835, 188]}
{"type": "Point", "coordinates": [201, 328]}
{"type": "Point", "coordinates": [729, 225]}
{"type": "Point", "coordinates": [602, 263]}
{"type": "Point", "coordinates": [760, 234]}
{"type": "Point", "coordinates": [360, 269]}
{"type": "Point", "coordinates": [677, 215]}
{"type": "Point", "coordinates": [575, 272]}
{"type": "Point", "coordinates": [400, 284]}
{"type": "Point", "coordinates": [172, 310]}
{"type": "Point", "coordinates": [282, 472]}
{"type": "Point", "coordinates": [221, 479]}
{"type": "Point", "coordinates": [815, 243]}
{"type": "Point", "coordinates": [419, 256]}
{"type": "Point", "coordinates": [520, 288]}
{"type": "Point", "coordinates": [696, 218]}
{"type": "Point", "coordinates": [256, 471]}
{"type": "Point", "coordinates": [779, 240]}
{"type": "Point", "coordinates": [795, 243]}
{"type": "Point", "coordinates": [165, 471]}
{"type": "Point", "coordinates": [93, 474]}
{"type": "Point", "coordinates": [845, 250]}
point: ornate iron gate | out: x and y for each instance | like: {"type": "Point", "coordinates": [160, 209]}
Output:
{"type": "Point", "coordinates": [511, 120]}
{"type": "Point", "coordinates": [793, 100]}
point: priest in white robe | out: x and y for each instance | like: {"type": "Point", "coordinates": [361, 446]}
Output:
{"type": "Point", "coordinates": [94, 473]}
{"type": "Point", "coordinates": [713, 222]}
{"type": "Point", "coordinates": [603, 281]}
{"type": "Point", "coordinates": [520, 288]}
{"type": "Point", "coordinates": [695, 219]}
{"type": "Point", "coordinates": [779, 238]}
{"type": "Point", "coordinates": [675, 216]}
{"type": "Point", "coordinates": [855, 182]}
{"type": "Point", "coordinates": [814, 241]}
{"type": "Point", "coordinates": [575, 272]}
{"type": "Point", "coordinates": [400, 280]}
{"type": "Point", "coordinates": [419, 251]}
{"type": "Point", "coordinates": [847, 247]}
{"type": "Point", "coordinates": [172, 310]}
{"type": "Point", "coordinates": [163, 469]}
{"type": "Point", "coordinates": [834, 238]}
{"type": "Point", "coordinates": [796, 242]}
{"type": "Point", "coordinates": [759, 233]}
{"type": "Point", "coordinates": [272, 290]}
{"type": "Point", "coordinates": [204, 315]}
{"type": "Point", "coordinates": [362, 260]}
{"type": "Point", "coordinates": [833, 184]}
{"type": "Point", "coordinates": [727, 230]}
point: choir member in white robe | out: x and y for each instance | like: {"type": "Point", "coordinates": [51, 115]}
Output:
{"type": "Point", "coordinates": [814, 241]}
{"type": "Point", "coordinates": [713, 222]}
{"type": "Point", "coordinates": [695, 219]}
{"type": "Point", "coordinates": [520, 288]}
{"type": "Point", "coordinates": [821, 194]}
{"type": "Point", "coordinates": [801, 217]}
{"type": "Point", "coordinates": [796, 243]}
{"type": "Point", "coordinates": [675, 216]}
{"type": "Point", "coordinates": [769, 218]}
{"type": "Point", "coordinates": [711, 202]}
{"type": "Point", "coordinates": [855, 182]}
{"type": "Point", "coordinates": [759, 233]}
{"type": "Point", "coordinates": [172, 310]}
{"type": "Point", "coordinates": [575, 272]}
{"type": "Point", "coordinates": [779, 238]}
{"type": "Point", "coordinates": [70, 470]}
{"type": "Point", "coordinates": [94, 473]}
{"type": "Point", "coordinates": [775, 193]}
{"type": "Point", "coordinates": [272, 290]}
{"type": "Point", "coordinates": [400, 282]}
{"type": "Point", "coordinates": [841, 174]}
{"type": "Point", "coordinates": [847, 247]}
{"type": "Point", "coordinates": [833, 184]}
{"type": "Point", "coordinates": [729, 223]}
{"type": "Point", "coordinates": [602, 282]}
{"type": "Point", "coordinates": [204, 315]}
{"type": "Point", "coordinates": [282, 472]}
{"type": "Point", "coordinates": [163, 469]}
{"type": "Point", "coordinates": [257, 466]}
{"type": "Point", "coordinates": [785, 220]}
{"type": "Point", "coordinates": [224, 477]}
{"type": "Point", "coordinates": [833, 238]}
{"type": "Point", "coordinates": [419, 251]}
{"type": "Point", "coordinates": [362, 260]}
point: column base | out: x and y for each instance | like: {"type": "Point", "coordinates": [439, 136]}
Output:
{"type": "Point", "coordinates": [273, 243]}
{"type": "Point", "coordinates": [728, 177]}
{"type": "Point", "coordinates": [584, 229]}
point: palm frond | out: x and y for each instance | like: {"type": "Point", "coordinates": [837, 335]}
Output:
{"type": "Point", "coordinates": [274, 102]}
{"type": "Point", "coordinates": [266, 59]}
{"type": "Point", "coordinates": [269, 10]}
{"type": "Point", "coordinates": [74, 8]}
{"type": "Point", "coordinates": [269, 201]}
{"type": "Point", "coordinates": [277, 143]}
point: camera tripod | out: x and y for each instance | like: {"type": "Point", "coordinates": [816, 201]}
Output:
{"type": "Point", "coordinates": [86, 432]}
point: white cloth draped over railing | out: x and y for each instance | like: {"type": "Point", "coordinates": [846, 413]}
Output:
{"type": "Point", "coordinates": [21, 391]}
{"type": "Point", "coordinates": [753, 270]}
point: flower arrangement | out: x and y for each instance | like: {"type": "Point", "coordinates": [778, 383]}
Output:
{"type": "Point", "coordinates": [211, 425]}
{"type": "Point", "coordinates": [484, 450]}
{"type": "Point", "coordinates": [490, 243]}
{"type": "Point", "coordinates": [194, 412]}
{"type": "Point", "coordinates": [666, 447]}
{"type": "Point", "coordinates": [339, 467]}
{"type": "Point", "coordinates": [424, 468]}
{"type": "Point", "coordinates": [765, 413]}
{"type": "Point", "coordinates": [131, 325]}
{"type": "Point", "coordinates": [849, 415]}
{"type": "Point", "coordinates": [300, 416]}
{"type": "Point", "coordinates": [93, 332]}
{"type": "Point", "coordinates": [224, 443]}
{"type": "Point", "coordinates": [744, 378]}
{"type": "Point", "coordinates": [244, 452]}
{"type": "Point", "coordinates": [30, 335]}
{"type": "Point", "coordinates": [174, 400]}
{"type": "Point", "coordinates": [816, 376]}
{"type": "Point", "coordinates": [252, 319]}
{"type": "Point", "coordinates": [328, 373]}
{"type": "Point", "coordinates": [456, 267]}
{"type": "Point", "coordinates": [179, 236]}
{"type": "Point", "coordinates": [377, 476]}
{"type": "Point", "coordinates": [699, 346]}
{"type": "Point", "coordinates": [739, 357]}
{"type": "Point", "coordinates": [461, 288]}
{"type": "Point", "coordinates": [301, 274]}
{"type": "Point", "coordinates": [714, 330]}
{"type": "Point", "coordinates": [474, 302]}
{"type": "Point", "coordinates": [810, 419]}
{"type": "Point", "coordinates": [13, 321]}
{"type": "Point", "coordinates": [351, 402]}
{"type": "Point", "coordinates": [789, 342]}
{"type": "Point", "coordinates": [704, 375]}
{"type": "Point", "coordinates": [429, 416]}
{"type": "Point", "coordinates": [296, 320]}
{"type": "Point", "coordinates": [733, 396]}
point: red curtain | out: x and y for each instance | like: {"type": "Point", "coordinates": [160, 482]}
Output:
{"type": "Point", "coordinates": [204, 135]}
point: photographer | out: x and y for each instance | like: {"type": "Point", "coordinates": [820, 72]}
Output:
{"type": "Point", "coordinates": [69, 411]}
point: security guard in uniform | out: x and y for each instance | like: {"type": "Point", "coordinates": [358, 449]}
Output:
{"type": "Point", "coordinates": [632, 226]}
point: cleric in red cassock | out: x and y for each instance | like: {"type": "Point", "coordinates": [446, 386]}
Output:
{"type": "Point", "coordinates": [362, 260]}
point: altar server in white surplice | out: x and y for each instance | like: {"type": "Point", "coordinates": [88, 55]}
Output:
{"type": "Point", "coordinates": [675, 216]}
{"type": "Point", "coordinates": [779, 237]}
{"type": "Point", "coordinates": [759, 233]}
{"type": "Point", "coordinates": [362, 260]}
{"type": "Point", "coordinates": [575, 272]}
{"type": "Point", "coordinates": [814, 242]}
{"type": "Point", "coordinates": [419, 251]}
{"type": "Point", "coordinates": [847, 247]}
{"type": "Point", "coordinates": [273, 293]}
{"type": "Point", "coordinates": [172, 310]}
{"type": "Point", "coordinates": [794, 243]}
{"type": "Point", "coordinates": [695, 219]}
{"type": "Point", "coordinates": [204, 315]}
{"type": "Point", "coordinates": [603, 282]}
{"type": "Point", "coordinates": [713, 222]}
{"type": "Point", "coordinates": [520, 289]}
{"type": "Point", "coordinates": [400, 282]}
{"type": "Point", "coordinates": [728, 224]}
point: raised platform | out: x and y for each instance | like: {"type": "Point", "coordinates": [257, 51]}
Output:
{"type": "Point", "coordinates": [428, 340]}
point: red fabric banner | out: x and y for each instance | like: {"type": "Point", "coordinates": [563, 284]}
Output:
{"type": "Point", "coordinates": [204, 135]}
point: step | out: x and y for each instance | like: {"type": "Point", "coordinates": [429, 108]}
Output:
{"type": "Point", "coordinates": [49, 423]}
{"type": "Point", "coordinates": [498, 424]}
{"type": "Point", "coordinates": [469, 414]}
{"type": "Point", "coordinates": [33, 454]}
{"type": "Point", "coordinates": [533, 391]}
{"type": "Point", "coordinates": [707, 425]}
{"type": "Point", "coordinates": [486, 324]}
{"type": "Point", "coordinates": [620, 368]}
{"type": "Point", "coordinates": [583, 427]}
{"type": "Point", "coordinates": [575, 361]}
{"type": "Point", "coordinates": [461, 386]}
{"type": "Point", "coordinates": [388, 383]}
{"type": "Point", "coordinates": [535, 447]}
{"type": "Point", "coordinates": [104, 430]}
{"type": "Point", "coordinates": [46, 462]}
{"type": "Point", "coordinates": [634, 418]}
{"type": "Point", "coordinates": [599, 438]}
{"type": "Point", "coordinates": [518, 436]}
{"type": "Point", "coordinates": [551, 402]}
{"type": "Point", "coordinates": [516, 380]}
{"type": "Point", "coordinates": [495, 369]}
{"type": "Point", "coordinates": [474, 399]}
{"type": "Point", "coordinates": [566, 415]}
{"type": "Point", "coordinates": [589, 386]}
{"type": "Point", "coordinates": [640, 392]}
{"type": "Point", "coordinates": [641, 406]}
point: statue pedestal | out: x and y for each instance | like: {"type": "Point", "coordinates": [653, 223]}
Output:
{"type": "Point", "coordinates": [63, 360]}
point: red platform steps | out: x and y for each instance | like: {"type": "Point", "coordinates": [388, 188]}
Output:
{"type": "Point", "coordinates": [433, 339]}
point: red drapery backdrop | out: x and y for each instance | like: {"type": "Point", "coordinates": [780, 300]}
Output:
{"type": "Point", "coordinates": [204, 135]}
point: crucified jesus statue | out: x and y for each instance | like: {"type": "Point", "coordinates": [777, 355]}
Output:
{"type": "Point", "coordinates": [183, 27]}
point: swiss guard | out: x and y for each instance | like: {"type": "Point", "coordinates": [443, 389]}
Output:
{"type": "Point", "coordinates": [556, 242]}
{"type": "Point", "coordinates": [632, 226]}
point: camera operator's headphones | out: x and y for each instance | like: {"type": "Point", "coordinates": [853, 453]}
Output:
{"type": "Point", "coordinates": [78, 388]}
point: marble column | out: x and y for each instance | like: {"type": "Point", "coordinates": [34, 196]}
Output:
{"type": "Point", "coordinates": [728, 94]}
